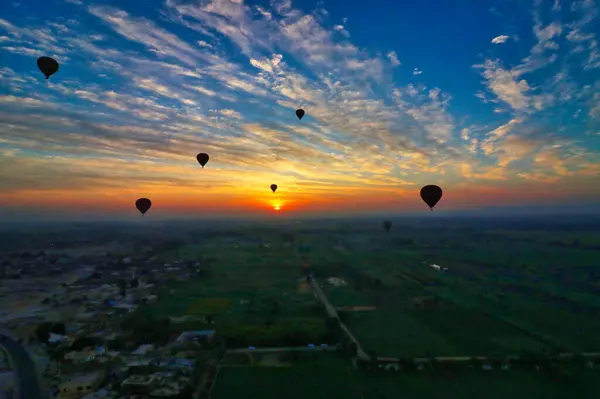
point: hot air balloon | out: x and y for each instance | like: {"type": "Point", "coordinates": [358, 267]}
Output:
{"type": "Point", "coordinates": [387, 225]}
{"type": "Point", "coordinates": [143, 204]}
{"type": "Point", "coordinates": [48, 66]}
{"type": "Point", "coordinates": [273, 187]}
{"type": "Point", "coordinates": [300, 113]}
{"type": "Point", "coordinates": [431, 194]}
{"type": "Point", "coordinates": [202, 159]}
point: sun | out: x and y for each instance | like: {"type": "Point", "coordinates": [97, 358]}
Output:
{"type": "Point", "coordinates": [277, 205]}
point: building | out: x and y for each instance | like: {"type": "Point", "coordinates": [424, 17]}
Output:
{"type": "Point", "coordinates": [143, 350]}
{"type": "Point", "coordinates": [140, 384]}
{"type": "Point", "coordinates": [79, 385]}
{"type": "Point", "coordinates": [80, 357]}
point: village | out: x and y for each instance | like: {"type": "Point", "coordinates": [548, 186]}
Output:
{"type": "Point", "coordinates": [76, 330]}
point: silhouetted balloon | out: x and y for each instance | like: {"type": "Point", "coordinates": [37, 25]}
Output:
{"type": "Point", "coordinates": [431, 194]}
{"type": "Point", "coordinates": [387, 225]}
{"type": "Point", "coordinates": [48, 66]}
{"type": "Point", "coordinates": [202, 158]}
{"type": "Point", "coordinates": [273, 187]}
{"type": "Point", "coordinates": [143, 204]}
{"type": "Point", "coordinates": [300, 113]}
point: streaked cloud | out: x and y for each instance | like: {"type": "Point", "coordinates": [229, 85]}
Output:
{"type": "Point", "coordinates": [500, 39]}
{"type": "Point", "coordinates": [137, 97]}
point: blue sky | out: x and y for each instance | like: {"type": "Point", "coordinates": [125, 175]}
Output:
{"type": "Point", "coordinates": [493, 100]}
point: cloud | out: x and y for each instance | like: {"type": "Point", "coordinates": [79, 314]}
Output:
{"type": "Point", "coordinates": [556, 6]}
{"type": "Point", "coordinates": [231, 113]}
{"type": "Point", "coordinates": [267, 15]}
{"type": "Point", "coordinates": [393, 58]}
{"type": "Point", "coordinates": [341, 30]}
{"type": "Point", "coordinates": [158, 40]}
{"type": "Point", "coordinates": [226, 77]}
{"type": "Point", "coordinates": [202, 43]}
{"type": "Point", "coordinates": [506, 85]}
{"type": "Point", "coordinates": [464, 134]}
{"type": "Point", "coordinates": [25, 101]}
{"type": "Point", "coordinates": [500, 39]}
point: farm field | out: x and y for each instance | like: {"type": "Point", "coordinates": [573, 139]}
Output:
{"type": "Point", "coordinates": [252, 295]}
{"type": "Point", "coordinates": [330, 377]}
{"type": "Point", "coordinates": [327, 377]}
{"type": "Point", "coordinates": [498, 292]}
{"type": "Point", "coordinates": [499, 287]}
{"type": "Point", "coordinates": [538, 296]}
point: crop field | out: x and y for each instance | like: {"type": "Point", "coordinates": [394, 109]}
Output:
{"type": "Point", "coordinates": [325, 376]}
{"type": "Point", "coordinates": [537, 296]}
{"type": "Point", "coordinates": [252, 295]}
{"type": "Point", "coordinates": [330, 376]}
{"type": "Point", "coordinates": [475, 384]}
{"type": "Point", "coordinates": [503, 286]}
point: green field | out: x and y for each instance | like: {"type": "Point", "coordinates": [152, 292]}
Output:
{"type": "Point", "coordinates": [514, 285]}
{"type": "Point", "coordinates": [502, 293]}
{"type": "Point", "coordinates": [491, 301]}
{"type": "Point", "coordinates": [252, 295]}
{"type": "Point", "coordinates": [331, 377]}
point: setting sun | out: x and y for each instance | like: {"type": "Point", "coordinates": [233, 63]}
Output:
{"type": "Point", "coordinates": [277, 205]}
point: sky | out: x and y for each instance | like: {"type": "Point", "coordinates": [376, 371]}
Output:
{"type": "Point", "coordinates": [497, 102]}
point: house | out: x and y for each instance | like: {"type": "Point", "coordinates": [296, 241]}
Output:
{"type": "Point", "coordinates": [178, 363]}
{"type": "Point", "coordinates": [80, 357]}
{"type": "Point", "coordinates": [58, 338]}
{"type": "Point", "coordinates": [79, 385]}
{"type": "Point", "coordinates": [143, 350]}
{"type": "Point", "coordinates": [140, 384]}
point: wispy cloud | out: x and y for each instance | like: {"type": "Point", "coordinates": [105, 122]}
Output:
{"type": "Point", "coordinates": [500, 39]}
{"type": "Point", "coordinates": [225, 77]}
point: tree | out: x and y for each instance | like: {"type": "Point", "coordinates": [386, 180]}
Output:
{"type": "Point", "coordinates": [152, 331]}
{"type": "Point", "coordinates": [122, 284]}
{"type": "Point", "coordinates": [59, 353]}
{"type": "Point", "coordinates": [42, 332]}
{"type": "Point", "coordinates": [83, 342]}
{"type": "Point", "coordinates": [59, 328]}
{"type": "Point", "coordinates": [117, 344]}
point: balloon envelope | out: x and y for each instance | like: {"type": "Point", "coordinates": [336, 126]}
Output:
{"type": "Point", "coordinates": [202, 158]}
{"type": "Point", "coordinates": [300, 113]}
{"type": "Point", "coordinates": [143, 204]}
{"type": "Point", "coordinates": [273, 187]}
{"type": "Point", "coordinates": [48, 66]}
{"type": "Point", "coordinates": [431, 194]}
{"type": "Point", "coordinates": [387, 225]}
